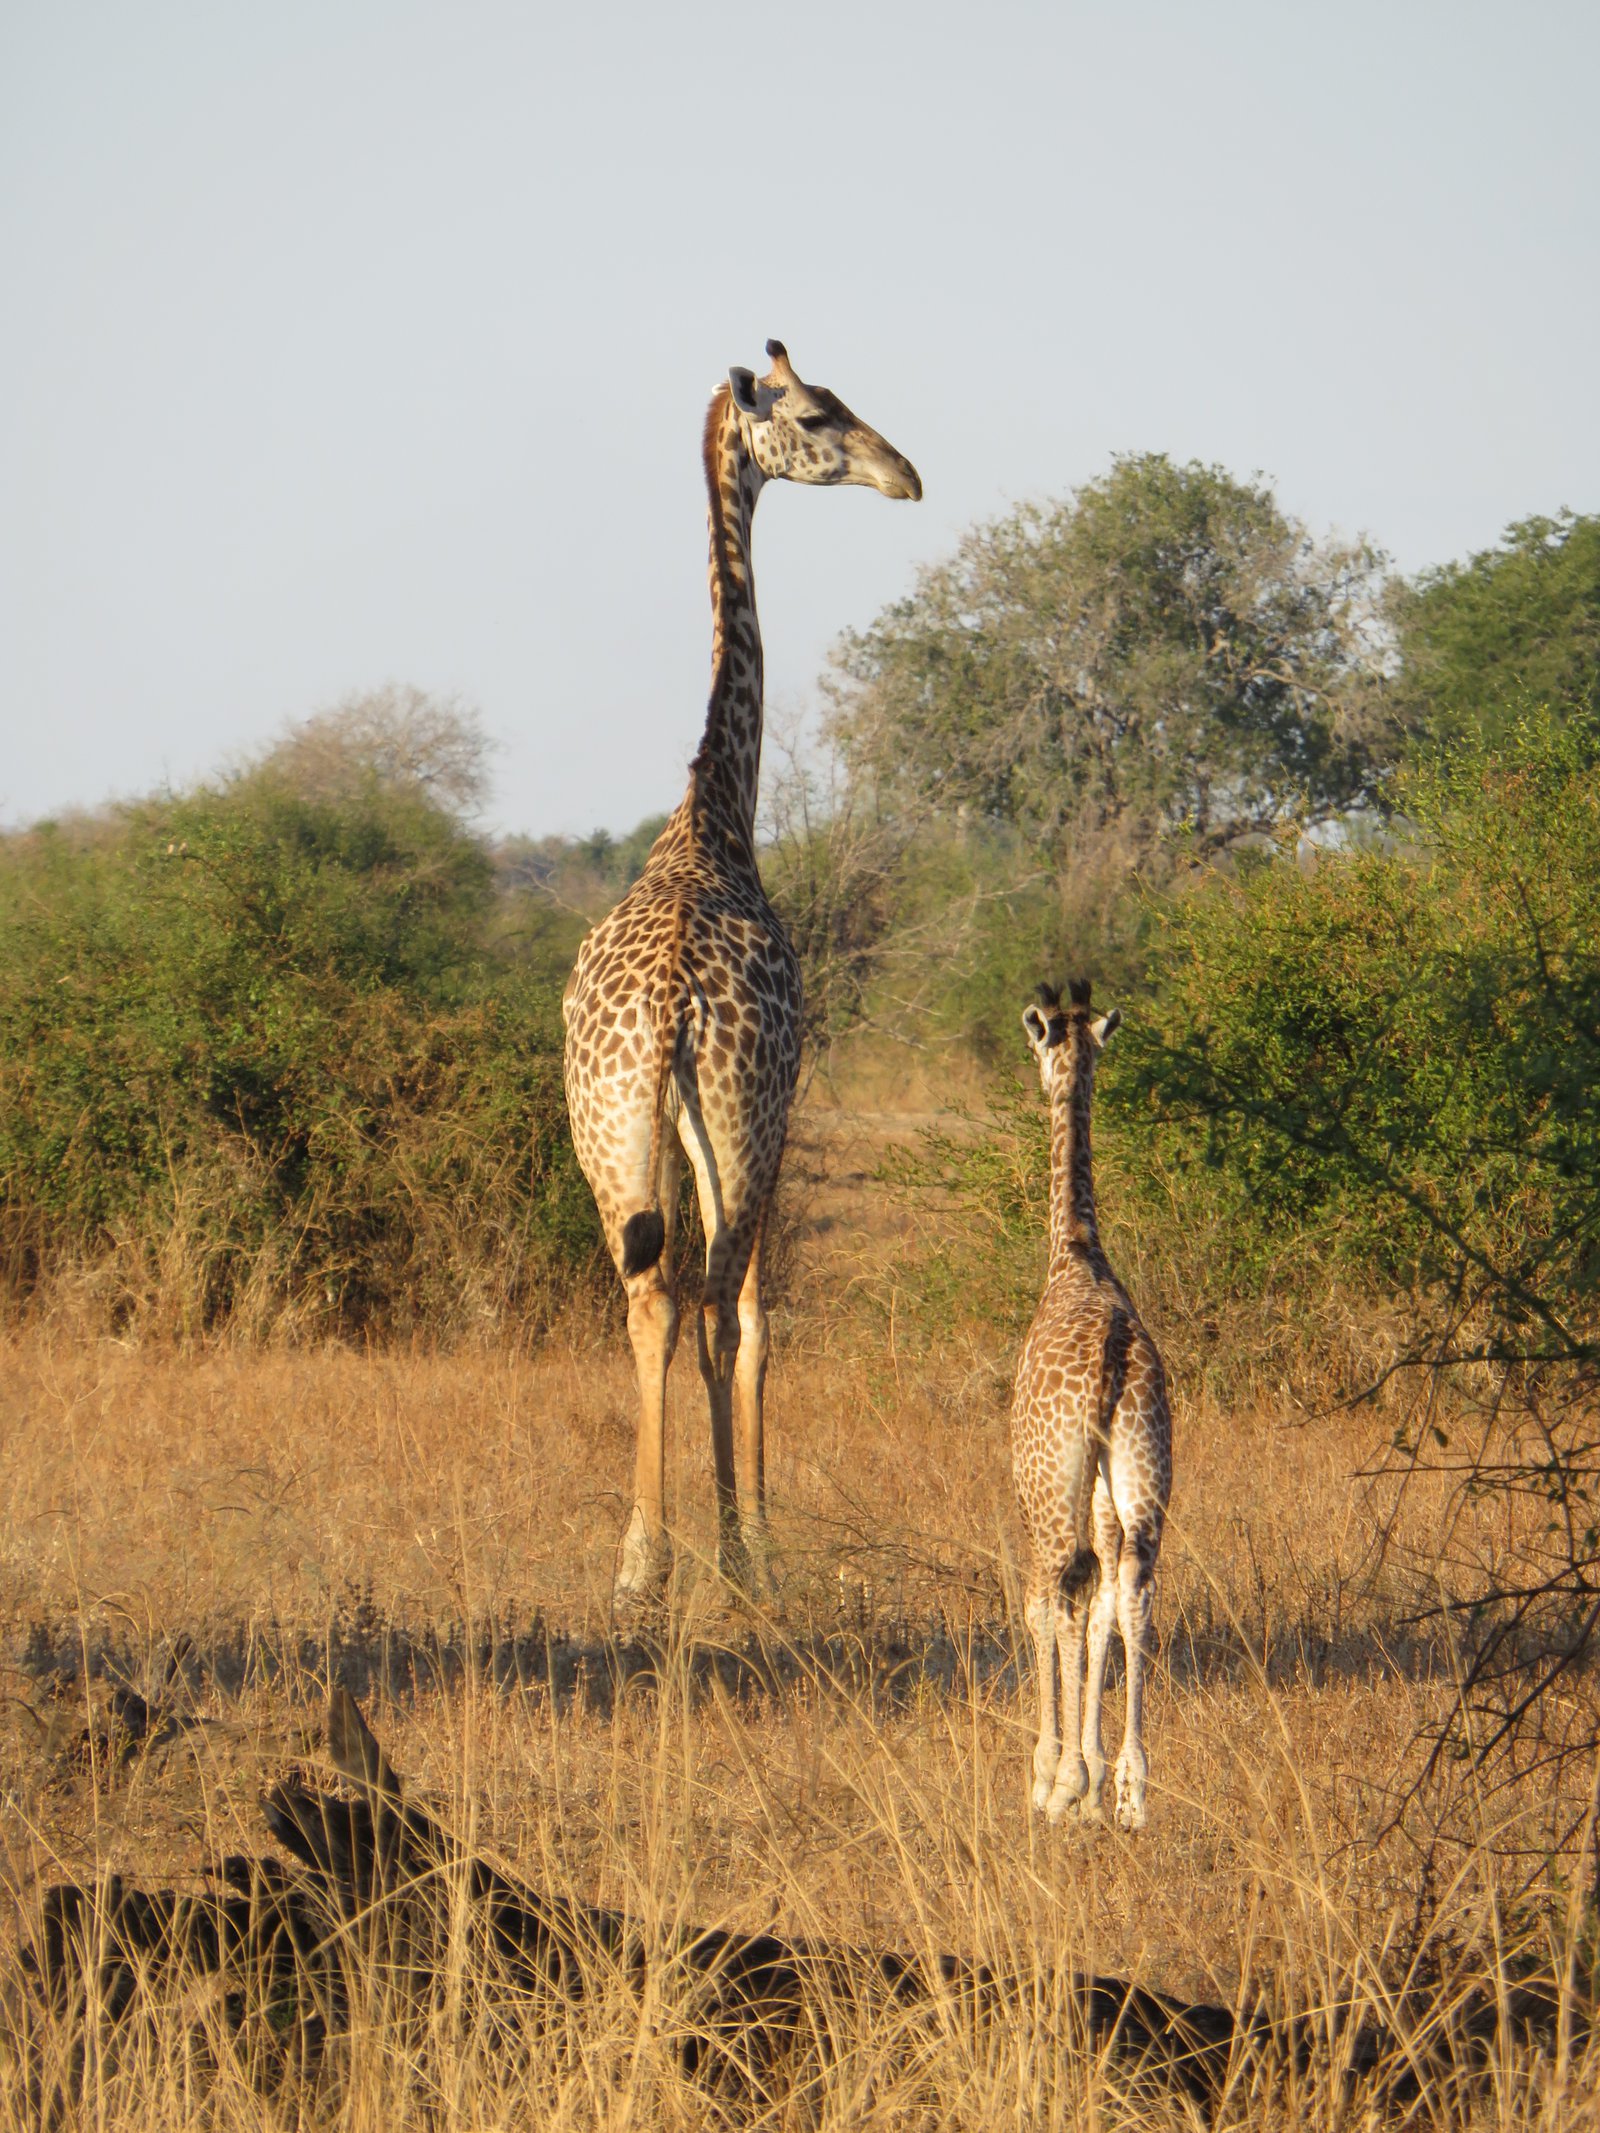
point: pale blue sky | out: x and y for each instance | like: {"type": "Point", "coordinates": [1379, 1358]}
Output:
{"type": "Point", "coordinates": [354, 342]}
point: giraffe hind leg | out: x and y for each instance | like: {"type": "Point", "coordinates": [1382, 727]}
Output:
{"type": "Point", "coordinates": [731, 1212]}
{"type": "Point", "coordinates": [1102, 1619]}
{"type": "Point", "coordinates": [721, 1341]}
{"type": "Point", "coordinates": [1135, 1579]}
{"type": "Point", "coordinates": [749, 1421]}
{"type": "Point", "coordinates": [646, 1557]}
{"type": "Point", "coordinates": [1067, 1594]}
{"type": "Point", "coordinates": [1040, 1610]}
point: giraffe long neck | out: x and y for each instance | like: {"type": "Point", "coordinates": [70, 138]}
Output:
{"type": "Point", "coordinates": [1073, 1225]}
{"type": "Point", "coordinates": [729, 759]}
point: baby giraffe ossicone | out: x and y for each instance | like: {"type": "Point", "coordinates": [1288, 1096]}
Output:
{"type": "Point", "coordinates": [1091, 1450]}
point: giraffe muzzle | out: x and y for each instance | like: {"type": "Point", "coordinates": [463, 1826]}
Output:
{"type": "Point", "coordinates": [899, 480]}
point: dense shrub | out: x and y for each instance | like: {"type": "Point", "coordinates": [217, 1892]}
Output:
{"type": "Point", "coordinates": [1397, 1049]}
{"type": "Point", "coordinates": [1389, 1055]}
{"type": "Point", "coordinates": [258, 1068]}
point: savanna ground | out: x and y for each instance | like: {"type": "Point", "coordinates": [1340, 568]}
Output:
{"type": "Point", "coordinates": [438, 1530]}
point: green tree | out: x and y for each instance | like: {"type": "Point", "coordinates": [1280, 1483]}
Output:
{"type": "Point", "coordinates": [1395, 1051]}
{"type": "Point", "coordinates": [1517, 621]}
{"type": "Point", "coordinates": [396, 740]}
{"type": "Point", "coordinates": [1165, 649]}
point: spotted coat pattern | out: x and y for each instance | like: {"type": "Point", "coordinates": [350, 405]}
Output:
{"type": "Point", "coordinates": [1091, 1438]}
{"type": "Point", "coordinates": [683, 1011]}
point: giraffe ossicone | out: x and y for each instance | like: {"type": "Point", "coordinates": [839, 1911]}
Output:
{"type": "Point", "coordinates": [683, 1010]}
{"type": "Point", "coordinates": [1091, 1450]}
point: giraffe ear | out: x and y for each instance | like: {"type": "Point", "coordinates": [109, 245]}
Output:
{"type": "Point", "coordinates": [1035, 1028]}
{"type": "Point", "coordinates": [1107, 1026]}
{"type": "Point", "coordinates": [742, 382]}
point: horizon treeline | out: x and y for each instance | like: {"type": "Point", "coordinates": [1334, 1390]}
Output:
{"type": "Point", "coordinates": [280, 1054]}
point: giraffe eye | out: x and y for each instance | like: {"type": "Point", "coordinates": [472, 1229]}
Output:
{"type": "Point", "coordinates": [812, 422]}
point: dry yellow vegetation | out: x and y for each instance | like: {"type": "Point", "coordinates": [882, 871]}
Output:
{"type": "Point", "coordinates": [852, 1761]}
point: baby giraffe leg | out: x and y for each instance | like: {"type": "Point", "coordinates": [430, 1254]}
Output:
{"type": "Point", "coordinates": [1070, 1611]}
{"type": "Point", "coordinates": [749, 1392]}
{"type": "Point", "coordinates": [1040, 1610]}
{"type": "Point", "coordinates": [1136, 1572]}
{"type": "Point", "coordinates": [1102, 1617]}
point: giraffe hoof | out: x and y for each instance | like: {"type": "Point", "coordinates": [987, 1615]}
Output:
{"type": "Point", "coordinates": [745, 1565]}
{"type": "Point", "coordinates": [639, 1596]}
{"type": "Point", "coordinates": [636, 1615]}
{"type": "Point", "coordinates": [1063, 1801]}
{"type": "Point", "coordinates": [1042, 1789]}
{"type": "Point", "coordinates": [736, 1569]}
{"type": "Point", "coordinates": [1131, 1815]}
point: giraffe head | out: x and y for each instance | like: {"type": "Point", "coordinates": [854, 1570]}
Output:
{"type": "Point", "coordinates": [799, 432]}
{"type": "Point", "coordinates": [1062, 1037]}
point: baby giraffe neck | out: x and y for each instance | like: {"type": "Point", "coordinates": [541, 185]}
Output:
{"type": "Point", "coordinates": [1073, 1225]}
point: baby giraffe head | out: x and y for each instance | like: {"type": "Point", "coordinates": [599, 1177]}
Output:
{"type": "Point", "coordinates": [799, 432]}
{"type": "Point", "coordinates": [1060, 1037]}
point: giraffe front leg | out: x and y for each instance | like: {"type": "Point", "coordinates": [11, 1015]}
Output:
{"type": "Point", "coordinates": [646, 1551]}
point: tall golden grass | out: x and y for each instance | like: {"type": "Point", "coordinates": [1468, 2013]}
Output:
{"type": "Point", "coordinates": [298, 1512]}
{"type": "Point", "coordinates": [849, 1761]}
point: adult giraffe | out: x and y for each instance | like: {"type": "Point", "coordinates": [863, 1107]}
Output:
{"type": "Point", "coordinates": [683, 1010]}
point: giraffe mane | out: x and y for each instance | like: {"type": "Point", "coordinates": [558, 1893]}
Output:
{"type": "Point", "coordinates": [713, 425]}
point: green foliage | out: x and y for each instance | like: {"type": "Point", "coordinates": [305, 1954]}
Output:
{"type": "Point", "coordinates": [258, 1066]}
{"type": "Point", "coordinates": [984, 1185]}
{"type": "Point", "coordinates": [551, 890]}
{"type": "Point", "coordinates": [586, 872]}
{"type": "Point", "coordinates": [1392, 1055]}
{"type": "Point", "coordinates": [1518, 621]}
{"type": "Point", "coordinates": [1162, 650]}
{"type": "Point", "coordinates": [1398, 1049]}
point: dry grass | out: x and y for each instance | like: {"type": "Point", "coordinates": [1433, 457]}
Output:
{"type": "Point", "coordinates": [442, 1530]}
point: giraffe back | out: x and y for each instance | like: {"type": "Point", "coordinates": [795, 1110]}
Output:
{"type": "Point", "coordinates": [692, 980]}
{"type": "Point", "coordinates": [1090, 1398]}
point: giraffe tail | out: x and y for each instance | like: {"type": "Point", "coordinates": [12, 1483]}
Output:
{"type": "Point", "coordinates": [644, 1235]}
{"type": "Point", "coordinates": [644, 1239]}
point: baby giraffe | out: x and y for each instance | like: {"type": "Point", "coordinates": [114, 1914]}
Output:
{"type": "Point", "coordinates": [1091, 1448]}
